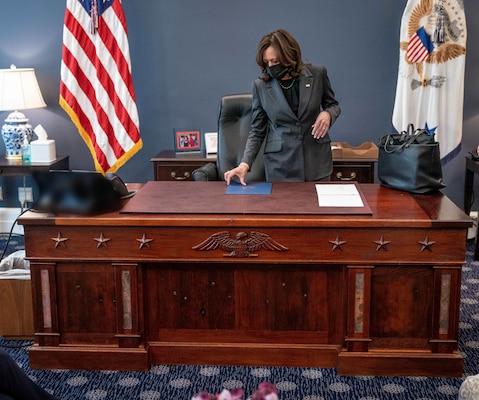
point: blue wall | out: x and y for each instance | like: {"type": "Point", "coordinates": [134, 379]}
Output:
{"type": "Point", "coordinates": [186, 54]}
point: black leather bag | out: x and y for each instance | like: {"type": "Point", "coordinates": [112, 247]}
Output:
{"type": "Point", "coordinates": [410, 161]}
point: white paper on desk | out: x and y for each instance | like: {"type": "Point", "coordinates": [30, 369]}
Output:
{"type": "Point", "coordinates": [338, 195]}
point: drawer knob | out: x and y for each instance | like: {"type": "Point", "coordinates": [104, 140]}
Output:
{"type": "Point", "coordinates": [185, 176]}
{"type": "Point", "coordinates": [340, 176]}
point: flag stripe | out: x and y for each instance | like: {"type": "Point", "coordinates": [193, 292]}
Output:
{"type": "Point", "coordinates": [84, 96]}
{"type": "Point", "coordinates": [120, 110]}
{"type": "Point", "coordinates": [416, 50]}
{"type": "Point", "coordinates": [96, 88]}
{"type": "Point", "coordinates": [80, 102]}
{"type": "Point", "coordinates": [69, 102]}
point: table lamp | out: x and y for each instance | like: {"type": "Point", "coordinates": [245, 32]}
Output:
{"type": "Point", "coordinates": [19, 90]}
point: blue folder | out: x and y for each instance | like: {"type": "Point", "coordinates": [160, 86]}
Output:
{"type": "Point", "coordinates": [252, 188]}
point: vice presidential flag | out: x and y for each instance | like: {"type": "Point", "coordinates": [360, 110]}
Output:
{"type": "Point", "coordinates": [96, 88]}
{"type": "Point", "coordinates": [430, 85]}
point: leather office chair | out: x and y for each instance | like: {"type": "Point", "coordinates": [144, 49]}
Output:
{"type": "Point", "coordinates": [234, 121]}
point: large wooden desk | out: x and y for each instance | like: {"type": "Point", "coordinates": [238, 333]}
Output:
{"type": "Point", "coordinates": [367, 294]}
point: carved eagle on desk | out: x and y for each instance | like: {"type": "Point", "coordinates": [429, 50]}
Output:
{"type": "Point", "coordinates": [242, 245]}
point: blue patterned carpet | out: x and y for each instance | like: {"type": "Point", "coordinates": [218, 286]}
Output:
{"type": "Point", "coordinates": [182, 382]}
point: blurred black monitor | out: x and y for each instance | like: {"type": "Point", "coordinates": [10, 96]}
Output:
{"type": "Point", "coordinates": [75, 192]}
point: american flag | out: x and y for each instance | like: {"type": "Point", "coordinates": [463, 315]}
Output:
{"type": "Point", "coordinates": [419, 46]}
{"type": "Point", "coordinates": [96, 87]}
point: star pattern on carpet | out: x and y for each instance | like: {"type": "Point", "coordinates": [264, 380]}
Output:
{"type": "Point", "coordinates": [59, 240]}
{"type": "Point", "coordinates": [102, 241]}
{"type": "Point", "coordinates": [144, 241]}
{"type": "Point", "coordinates": [337, 244]}
{"type": "Point", "coordinates": [426, 244]}
{"type": "Point", "coordinates": [381, 243]}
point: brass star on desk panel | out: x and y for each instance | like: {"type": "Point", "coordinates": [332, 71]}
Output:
{"type": "Point", "coordinates": [144, 241]}
{"type": "Point", "coordinates": [381, 243]}
{"type": "Point", "coordinates": [337, 243]}
{"type": "Point", "coordinates": [426, 244]}
{"type": "Point", "coordinates": [59, 240]}
{"type": "Point", "coordinates": [102, 241]}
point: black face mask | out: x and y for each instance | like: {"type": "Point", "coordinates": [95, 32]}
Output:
{"type": "Point", "coordinates": [277, 71]}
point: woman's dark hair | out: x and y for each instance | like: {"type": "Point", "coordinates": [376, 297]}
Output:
{"type": "Point", "coordinates": [287, 50]}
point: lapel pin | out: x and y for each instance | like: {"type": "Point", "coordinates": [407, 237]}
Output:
{"type": "Point", "coordinates": [308, 85]}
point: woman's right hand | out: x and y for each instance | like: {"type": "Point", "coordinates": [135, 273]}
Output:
{"type": "Point", "coordinates": [240, 171]}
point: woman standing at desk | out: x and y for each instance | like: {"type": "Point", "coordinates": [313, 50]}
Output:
{"type": "Point", "coordinates": [293, 109]}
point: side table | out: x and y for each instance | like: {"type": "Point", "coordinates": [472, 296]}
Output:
{"type": "Point", "coordinates": [19, 168]}
{"type": "Point", "coordinates": [472, 168]}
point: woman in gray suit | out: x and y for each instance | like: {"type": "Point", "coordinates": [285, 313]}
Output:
{"type": "Point", "coordinates": [293, 108]}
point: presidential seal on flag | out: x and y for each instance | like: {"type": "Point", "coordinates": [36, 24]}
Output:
{"type": "Point", "coordinates": [430, 85]}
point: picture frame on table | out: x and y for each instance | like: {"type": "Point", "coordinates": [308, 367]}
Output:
{"type": "Point", "coordinates": [187, 140]}
{"type": "Point", "coordinates": [211, 143]}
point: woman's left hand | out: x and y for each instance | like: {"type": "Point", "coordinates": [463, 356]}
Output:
{"type": "Point", "coordinates": [322, 124]}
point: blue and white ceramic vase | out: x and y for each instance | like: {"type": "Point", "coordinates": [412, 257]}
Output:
{"type": "Point", "coordinates": [14, 132]}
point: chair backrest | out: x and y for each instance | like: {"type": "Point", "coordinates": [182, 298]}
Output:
{"type": "Point", "coordinates": [234, 122]}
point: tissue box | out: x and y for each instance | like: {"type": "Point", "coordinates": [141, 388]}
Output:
{"type": "Point", "coordinates": [43, 151]}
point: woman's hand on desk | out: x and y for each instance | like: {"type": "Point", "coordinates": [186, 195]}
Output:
{"type": "Point", "coordinates": [240, 171]}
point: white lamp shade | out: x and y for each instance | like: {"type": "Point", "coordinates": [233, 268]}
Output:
{"type": "Point", "coordinates": [19, 89]}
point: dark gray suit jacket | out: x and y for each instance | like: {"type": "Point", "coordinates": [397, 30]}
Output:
{"type": "Point", "coordinates": [291, 153]}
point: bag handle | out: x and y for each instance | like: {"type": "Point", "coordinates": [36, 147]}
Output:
{"type": "Point", "coordinates": [407, 138]}
{"type": "Point", "coordinates": [406, 141]}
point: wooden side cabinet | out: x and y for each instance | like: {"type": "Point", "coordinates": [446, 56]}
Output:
{"type": "Point", "coordinates": [81, 304]}
{"type": "Point", "coordinates": [170, 166]}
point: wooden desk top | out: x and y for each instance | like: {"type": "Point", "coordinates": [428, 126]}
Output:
{"type": "Point", "coordinates": [389, 208]}
{"type": "Point", "coordinates": [158, 197]}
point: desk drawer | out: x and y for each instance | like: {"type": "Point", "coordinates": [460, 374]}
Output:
{"type": "Point", "coordinates": [359, 171]}
{"type": "Point", "coordinates": [176, 171]}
